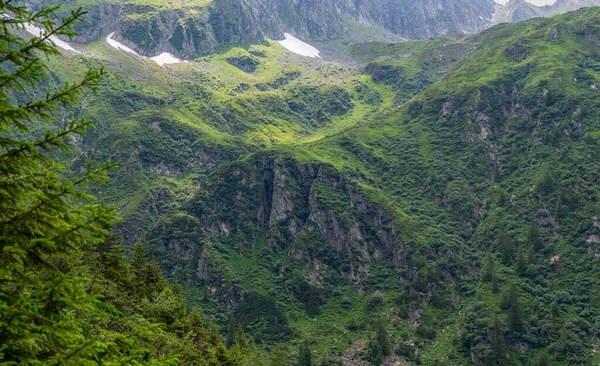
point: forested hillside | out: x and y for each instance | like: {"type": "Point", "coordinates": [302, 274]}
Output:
{"type": "Point", "coordinates": [430, 202]}
{"type": "Point", "coordinates": [68, 294]}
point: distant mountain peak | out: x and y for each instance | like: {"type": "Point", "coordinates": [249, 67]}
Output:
{"type": "Point", "coordinates": [519, 10]}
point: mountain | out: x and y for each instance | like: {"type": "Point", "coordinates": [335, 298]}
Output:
{"type": "Point", "coordinates": [187, 29]}
{"type": "Point", "coordinates": [519, 10]}
{"type": "Point", "coordinates": [441, 185]}
{"type": "Point", "coordinates": [194, 28]}
{"type": "Point", "coordinates": [436, 204]}
{"type": "Point", "coordinates": [325, 20]}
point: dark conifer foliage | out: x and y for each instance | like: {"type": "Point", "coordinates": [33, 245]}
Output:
{"type": "Point", "coordinates": [304, 354]}
{"type": "Point", "coordinates": [46, 217]}
{"type": "Point", "coordinates": [68, 296]}
{"type": "Point", "coordinates": [515, 314]}
{"type": "Point", "coordinates": [379, 346]}
{"type": "Point", "coordinates": [498, 345]}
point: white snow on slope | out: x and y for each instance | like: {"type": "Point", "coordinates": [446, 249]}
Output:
{"type": "Point", "coordinates": [295, 45]}
{"type": "Point", "coordinates": [32, 29]}
{"type": "Point", "coordinates": [118, 45]}
{"type": "Point", "coordinates": [165, 58]}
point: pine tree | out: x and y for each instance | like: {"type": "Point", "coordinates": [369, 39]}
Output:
{"type": "Point", "coordinates": [304, 354]}
{"type": "Point", "coordinates": [521, 263]}
{"type": "Point", "coordinates": [515, 315]}
{"type": "Point", "coordinates": [505, 299]}
{"type": "Point", "coordinates": [382, 337]}
{"type": "Point", "coordinates": [240, 340]}
{"type": "Point", "coordinates": [147, 273]}
{"type": "Point", "coordinates": [495, 285]}
{"type": "Point", "coordinates": [230, 339]}
{"type": "Point", "coordinates": [531, 254]}
{"type": "Point", "coordinates": [379, 347]}
{"type": "Point", "coordinates": [206, 293]}
{"type": "Point", "coordinates": [489, 269]}
{"type": "Point", "coordinates": [555, 310]}
{"type": "Point", "coordinates": [243, 352]}
{"type": "Point", "coordinates": [559, 210]}
{"type": "Point", "coordinates": [109, 258]}
{"type": "Point", "coordinates": [498, 354]}
{"type": "Point", "coordinates": [534, 235]}
{"type": "Point", "coordinates": [139, 258]}
{"type": "Point", "coordinates": [46, 216]}
{"type": "Point", "coordinates": [541, 359]}
{"type": "Point", "coordinates": [277, 358]}
{"type": "Point", "coordinates": [502, 198]}
{"type": "Point", "coordinates": [505, 247]}
{"type": "Point", "coordinates": [57, 255]}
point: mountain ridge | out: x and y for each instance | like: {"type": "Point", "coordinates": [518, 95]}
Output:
{"type": "Point", "coordinates": [519, 10]}
{"type": "Point", "coordinates": [189, 29]}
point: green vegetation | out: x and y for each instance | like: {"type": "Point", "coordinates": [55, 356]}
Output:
{"type": "Point", "coordinates": [68, 295]}
{"type": "Point", "coordinates": [438, 204]}
{"type": "Point", "coordinates": [304, 355]}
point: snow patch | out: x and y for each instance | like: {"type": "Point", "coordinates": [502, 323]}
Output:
{"type": "Point", "coordinates": [118, 45]}
{"type": "Point", "coordinates": [295, 45]}
{"type": "Point", "coordinates": [36, 31]}
{"type": "Point", "coordinates": [165, 58]}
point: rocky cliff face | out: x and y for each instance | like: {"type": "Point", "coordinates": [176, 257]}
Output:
{"type": "Point", "coordinates": [190, 31]}
{"type": "Point", "coordinates": [325, 224]}
{"type": "Point", "coordinates": [420, 19]}
{"type": "Point", "coordinates": [519, 10]}
{"type": "Point", "coordinates": [186, 32]}
{"type": "Point", "coordinates": [305, 208]}
{"type": "Point", "coordinates": [193, 32]}
{"type": "Point", "coordinates": [564, 6]}
{"type": "Point", "coordinates": [331, 19]}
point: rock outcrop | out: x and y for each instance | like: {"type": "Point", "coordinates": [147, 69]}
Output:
{"type": "Point", "coordinates": [329, 19]}
{"type": "Point", "coordinates": [306, 208]}
{"type": "Point", "coordinates": [185, 31]}
{"type": "Point", "coordinates": [519, 10]}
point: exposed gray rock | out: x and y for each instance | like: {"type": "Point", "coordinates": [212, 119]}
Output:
{"type": "Point", "coordinates": [244, 63]}
{"type": "Point", "coordinates": [194, 31]}
{"type": "Point", "coordinates": [519, 10]}
{"type": "Point", "coordinates": [187, 33]}
{"type": "Point", "coordinates": [295, 202]}
{"type": "Point", "coordinates": [330, 19]}
{"type": "Point", "coordinates": [516, 52]}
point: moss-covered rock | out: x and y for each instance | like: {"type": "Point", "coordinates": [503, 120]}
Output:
{"type": "Point", "coordinates": [245, 63]}
{"type": "Point", "coordinates": [388, 74]}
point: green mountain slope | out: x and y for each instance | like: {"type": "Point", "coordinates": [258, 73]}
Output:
{"type": "Point", "coordinates": [68, 295]}
{"type": "Point", "coordinates": [442, 187]}
{"type": "Point", "coordinates": [501, 153]}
